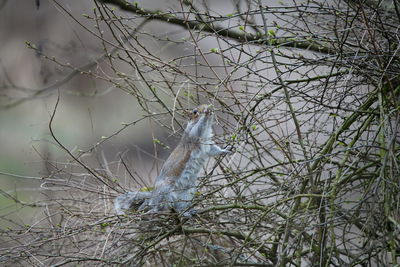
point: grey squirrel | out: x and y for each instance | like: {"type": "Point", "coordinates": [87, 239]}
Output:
{"type": "Point", "coordinates": [175, 186]}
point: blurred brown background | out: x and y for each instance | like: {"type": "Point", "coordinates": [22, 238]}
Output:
{"type": "Point", "coordinates": [81, 121]}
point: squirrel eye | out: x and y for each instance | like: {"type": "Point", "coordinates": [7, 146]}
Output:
{"type": "Point", "coordinates": [195, 111]}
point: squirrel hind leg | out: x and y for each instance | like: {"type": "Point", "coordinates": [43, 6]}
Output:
{"type": "Point", "coordinates": [159, 201]}
{"type": "Point", "coordinates": [190, 213]}
{"type": "Point", "coordinates": [130, 201]}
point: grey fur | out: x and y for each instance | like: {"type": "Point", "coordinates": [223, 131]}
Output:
{"type": "Point", "coordinates": [175, 186]}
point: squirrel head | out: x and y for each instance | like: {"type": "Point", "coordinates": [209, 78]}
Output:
{"type": "Point", "coordinates": [202, 110]}
{"type": "Point", "coordinates": [200, 123]}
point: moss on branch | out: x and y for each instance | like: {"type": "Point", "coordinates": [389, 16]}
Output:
{"type": "Point", "coordinates": [220, 30]}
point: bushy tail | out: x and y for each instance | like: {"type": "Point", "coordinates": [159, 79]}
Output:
{"type": "Point", "coordinates": [130, 201]}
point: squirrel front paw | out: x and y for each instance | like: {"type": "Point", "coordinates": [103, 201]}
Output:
{"type": "Point", "coordinates": [228, 150]}
{"type": "Point", "coordinates": [216, 151]}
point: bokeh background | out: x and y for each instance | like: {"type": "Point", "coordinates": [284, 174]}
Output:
{"type": "Point", "coordinates": [89, 109]}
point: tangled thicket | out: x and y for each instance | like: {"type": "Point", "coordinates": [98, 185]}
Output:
{"type": "Point", "coordinates": [306, 93]}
